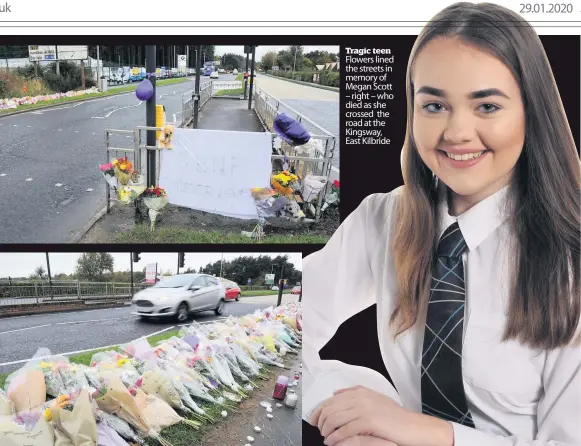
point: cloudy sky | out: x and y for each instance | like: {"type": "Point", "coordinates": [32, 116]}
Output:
{"type": "Point", "coordinates": [261, 50]}
{"type": "Point", "coordinates": [23, 264]}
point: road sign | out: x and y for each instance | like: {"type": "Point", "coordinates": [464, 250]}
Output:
{"type": "Point", "coordinates": [269, 279]}
{"type": "Point", "coordinates": [73, 52]}
{"type": "Point", "coordinates": [38, 53]}
{"type": "Point", "coordinates": [150, 272]}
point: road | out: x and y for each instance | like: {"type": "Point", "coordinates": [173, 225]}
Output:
{"type": "Point", "coordinates": [21, 337]}
{"type": "Point", "coordinates": [49, 175]}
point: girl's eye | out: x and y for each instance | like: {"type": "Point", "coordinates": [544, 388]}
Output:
{"type": "Point", "coordinates": [433, 107]}
{"type": "Point", "coordinates": [489, 108]}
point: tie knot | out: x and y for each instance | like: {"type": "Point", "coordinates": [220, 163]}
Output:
{"type": "Point", "coordinates": [452, 243]}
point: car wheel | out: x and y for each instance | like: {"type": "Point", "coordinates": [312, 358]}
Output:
{"type": "Point", "coordinates": [144, 318]}
{"type": "Point", "coordinates": [183, 312]}
{"type": "Point", "coordinates": [220, 308]}
{"type": "Point", "coordinates": [238, 297]}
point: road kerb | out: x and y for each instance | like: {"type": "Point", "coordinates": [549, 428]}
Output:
{"type": "Point", "coordinates": [76, 237]}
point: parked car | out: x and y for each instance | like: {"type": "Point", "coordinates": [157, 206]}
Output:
{"type": "Point", "coordinates": [214, 75]}
{"type": "Point", "coordinates": [296, 290]}
{"type": "Point", "coordinates": [179, 296]}
{"type": "Point", "coordinates": [233, 291]}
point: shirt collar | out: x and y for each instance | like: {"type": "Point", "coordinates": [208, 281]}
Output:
{"type": "Point", "coordinates": [478, 222]}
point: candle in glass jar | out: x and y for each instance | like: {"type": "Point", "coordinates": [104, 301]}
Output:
{"type": "Point", "coordinates": [280, 387]}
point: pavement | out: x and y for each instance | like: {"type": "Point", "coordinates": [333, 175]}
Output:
{"type": "Point", "coordinates": [230, 115]}
{"type": "Point", "coordinates": [22, 336]}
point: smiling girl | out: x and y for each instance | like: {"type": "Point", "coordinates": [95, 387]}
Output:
{"type": "Point", "coordinates": [473, 264]}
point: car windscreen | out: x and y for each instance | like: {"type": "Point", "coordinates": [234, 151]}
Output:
{"type": "Point", "coordinates": [173, 282]}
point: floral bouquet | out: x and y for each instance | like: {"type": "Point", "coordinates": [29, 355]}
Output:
{"type": "Point", "coordinates": [108, 171]}
{"type": "Point", "coordinates": [155, 198]}
{"type": "Point", "coordinates": [123, 169]}
{"type": "Point", "coordinates": [333, 197]}
{"type": "Point", "coordinates": [284, 182]}
{"type": "Point", "coordinates": [128, 194]}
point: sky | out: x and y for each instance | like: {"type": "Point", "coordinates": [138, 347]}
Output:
{"type": "Point", "coordinates": [261, 50]}
{"type": "Point", "coordinates": [24, 264]}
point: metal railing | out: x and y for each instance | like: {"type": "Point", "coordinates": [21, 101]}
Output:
{"type": "Point", "coordinates": [23, 293]}
{"type": "Point", "coordinates": [184, 117]}
{"type": "Point", "coordinates": [324, 142]}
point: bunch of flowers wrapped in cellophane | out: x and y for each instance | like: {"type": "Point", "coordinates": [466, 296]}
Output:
{"type": "Point", "coordinates": [123, 169]}
{"type": "Point", "coordinates": [128, 194]}
{"type": "Point", "coordinates": [155, 198]}
{"type": "Point", "coordinates": [108, 172]}
{"type": "Point", "coordinates": [264, 200]}
{"type": "Point", "coordinates": [285, 182]}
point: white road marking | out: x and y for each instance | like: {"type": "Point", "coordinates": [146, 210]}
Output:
{"type": "Point", "coordinates": [15, 125]}
{"type": "Point", "coordinates": [76, 131]}
{"type": "Point", "coordinates": [36, 113]}
{"type": "Point", "coordinates": [77, 352]}
{"type": "Point", "coordinates": [96, 320]}
{"type": "Point", "coordinates": [90, 190]}
{"type": "Point", "coordinates": [28, 179]}
{"type": "Point", "coordinates": [23, 329]}
{"type": "Point", "coordinates": [97, 117]}
{"type": "Point", "coordinates": [58, 185]}
{"type": "Point", "coordinates": [3, 174]}
{"type": "Point", "coordinates": [29, 126]}
{"type": "Point", "coordinates": [117, 109]}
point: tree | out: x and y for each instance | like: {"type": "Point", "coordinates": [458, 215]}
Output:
{"type": "Point", "coordinates": [268, 60]}
{"type": "Point", "coordinates": [39, 272]}
{"type": "Point", "coordinates": [296, 52]}
{"type": "Point", "coordinates": [92, 265]}
{"type": "Point", "coordinates": [233, 61]}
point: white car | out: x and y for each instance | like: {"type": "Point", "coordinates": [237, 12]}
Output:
{"type": "Point", "coordinates": [235, 71]}
{"type": "Point", "coordinates": [214, 75]}
{"type": "Point", "coordinates": [179, 296]}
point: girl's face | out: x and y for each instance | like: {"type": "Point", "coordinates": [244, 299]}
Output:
{"type": "Point", "coordinates": [469, 119]}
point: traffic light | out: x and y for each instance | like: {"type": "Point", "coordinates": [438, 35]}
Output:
{"type": "Point", "coordinates": [136, 257]}
{"type": "Point", "coordinates": [182, 259]}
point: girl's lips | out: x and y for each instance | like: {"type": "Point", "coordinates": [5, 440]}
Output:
{"type": "Point", "coordinates": [462, 164]}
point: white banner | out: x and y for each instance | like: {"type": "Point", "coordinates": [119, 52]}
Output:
{"type": "Point", "coordinates": [73, 52]}
{"type": "Point", "coordinates": [214, 170]}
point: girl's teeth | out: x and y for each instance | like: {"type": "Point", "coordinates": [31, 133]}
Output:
{"type": "Point", "coordinates": [464, 157]}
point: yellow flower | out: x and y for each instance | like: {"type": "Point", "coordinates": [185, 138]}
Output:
{"type": "Point", "coordinates": [121, 362]}
{"type": "Point", "coordinates": [47, 415]}
{"type": "Point", "coordinates": [123, 166]}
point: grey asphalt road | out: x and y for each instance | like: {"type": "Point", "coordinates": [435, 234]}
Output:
{"type": "Point", "coordinates": [49, 160]}
{"type": "Point", "coordinates": [21, 337]}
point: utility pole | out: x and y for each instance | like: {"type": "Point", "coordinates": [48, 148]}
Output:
{"type": "Point", "coordinates": [197, 87]}
{"type": "Point", "coordinates": [294, 63]}
{"type": "Point", "coordinates": [56, 55]}
{"type": "Point", "coordinates": [49, 276]}
{"type": "Point", "coordinates": [252, 76]}
{"type": "Point", "coordinates": [98, 70]}
{"type": "Point", "coordinates": [150, 114]}
{"type": "Point", "coordinates": [246, 78]}
{"type": "Point", "coordinates": [83, 74]}
{"type": "Point", "coordinates": [131, 263]}
{"type": "Point", "coordinates": [280, 282]}
{"type": "Point", "coordinates": [221, 265]}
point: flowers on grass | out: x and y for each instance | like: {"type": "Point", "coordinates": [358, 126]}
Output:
{"type": "Point", "coordinates": [155, 198]}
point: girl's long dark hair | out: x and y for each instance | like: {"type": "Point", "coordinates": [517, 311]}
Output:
{"type": "Point", "coordinates": [544, 306]}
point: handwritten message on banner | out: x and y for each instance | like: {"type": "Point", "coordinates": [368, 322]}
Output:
{"type": "Point", "coordinates": [213, 171]}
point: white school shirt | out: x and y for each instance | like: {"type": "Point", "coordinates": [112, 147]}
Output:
{"type": "Point", "coordinates": [517, 396]}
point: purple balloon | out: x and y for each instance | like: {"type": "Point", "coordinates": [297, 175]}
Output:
{"type": "Point", "coordinates": [144, 90]}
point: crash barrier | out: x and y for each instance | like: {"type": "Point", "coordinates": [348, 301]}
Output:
{"type": "Point", "coordinates": [21, 293]}
{"type": "Point", "coordinates": [135, 156]}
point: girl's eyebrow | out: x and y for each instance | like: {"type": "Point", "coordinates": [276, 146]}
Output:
{"type": "Point", "coordinates": [474, 95]}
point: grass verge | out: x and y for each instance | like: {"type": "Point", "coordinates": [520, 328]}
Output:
{"type": "Point", "coordinates": [254, 293]}
{"type": "Point", "coordinates": [143, 234]}
{"type": "Point", "coordinates": [113, 91]}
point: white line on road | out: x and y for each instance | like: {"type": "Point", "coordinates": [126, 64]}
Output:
{"type": "Point", "coordinates": [116, 110]}
{"type": "Point", "coordinates": [79, 351]}
{"type": "Point", "coordinates": [95, 320]}
{"type": "Point", "coordinates": [23, 329]}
